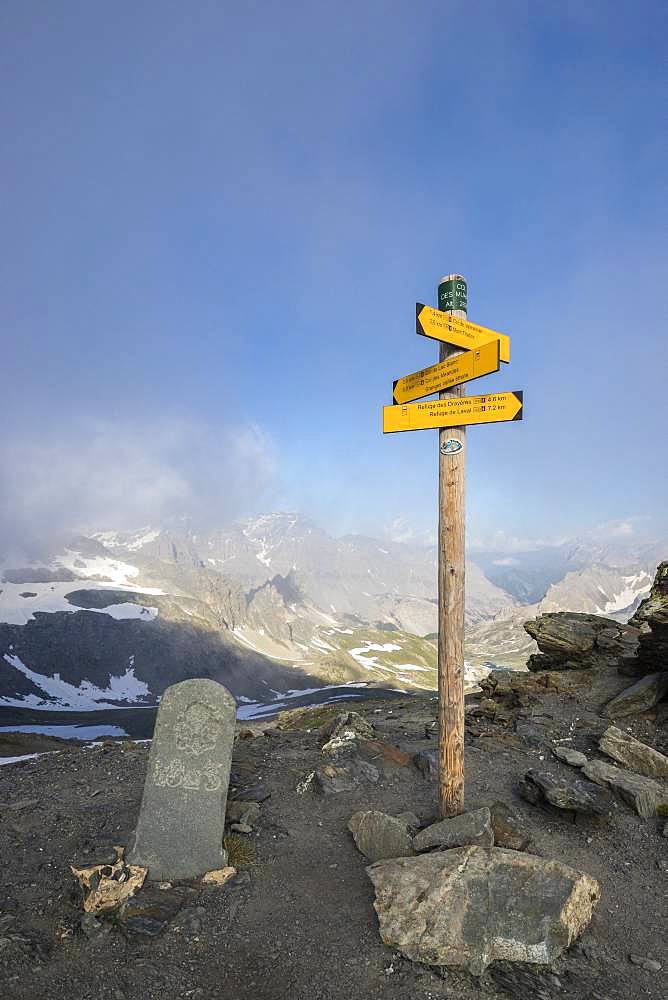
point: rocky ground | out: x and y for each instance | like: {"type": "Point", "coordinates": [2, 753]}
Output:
{"type": "Point", "coordinates": [297, 921]}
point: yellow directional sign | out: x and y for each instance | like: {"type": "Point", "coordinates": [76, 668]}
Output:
{"type": "Point", "coordinates": [462, 368]}
{"type": "Point", "coordinates": [459, 332]}
{"type": "Point", "coordinates": [456, 411]}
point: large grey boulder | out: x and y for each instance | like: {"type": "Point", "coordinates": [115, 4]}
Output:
{"type": "Point", "coordinates": [473, 905]}
{"type": "Point", "coordinates": [648, 797]}
{"type": "Point", "coordinates": [640, 697]}
{"type": "Point", "coordinates": [633, 754]}
{"type": "Point", "coordinates": [378, 835]}
{"type": "Point", "coordinates": [470, 828]}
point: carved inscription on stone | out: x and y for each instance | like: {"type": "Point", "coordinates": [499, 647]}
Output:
{"type": "Point", "coordinates": [180, 774]}
{"type": "Point", "coordinates": [181, 821]}
{"type": "Point", "coordinates": [196, 732]}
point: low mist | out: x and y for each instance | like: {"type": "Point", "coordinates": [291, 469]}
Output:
{"type": "Point", "coordinates": [90, 476]}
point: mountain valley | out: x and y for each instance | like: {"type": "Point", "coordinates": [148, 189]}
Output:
{"type": "Point", "coordinates": [271, 606]}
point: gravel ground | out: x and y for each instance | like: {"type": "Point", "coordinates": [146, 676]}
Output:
{"type": "Point", "coordinates": [299, 921]}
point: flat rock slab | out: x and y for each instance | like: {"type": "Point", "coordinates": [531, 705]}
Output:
{"type": "Point", "coordinates": [330, 779]}
{"type": "Point", "coordinates": [470, 828]}
{"type": "Point", "coordinates": [382, 752]}
{"type": "Point", "coordinates": [640, 697]}
{"type": "Point", "coordinates": [570, 756]}
{"type": "Point", "coordinates": [632, 754]}
{"type": "Point", "coordinates": [180, 829]}
{"type": "Point", "coordinates": [564, 792]}
{"type": "Point", "coordinates": [379, 836]}
{"type": "Point", "coordinates": [648, 797]}
{"type": "Point", "coordinates": [474, 905]}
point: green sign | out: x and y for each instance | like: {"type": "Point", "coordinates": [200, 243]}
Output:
{"type": "Point", "coordinates": [452, 294]}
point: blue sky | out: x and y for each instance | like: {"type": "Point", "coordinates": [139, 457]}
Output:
{"type": "Point", "coordinates": [217, 219]}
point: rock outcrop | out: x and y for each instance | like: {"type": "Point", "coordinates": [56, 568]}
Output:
{"type": "Point", "coordinates": [473, 905]}
{"type": "Point", "coordinates": [570, 641]}
{"type": "Point", "coordinates": [651, 619]}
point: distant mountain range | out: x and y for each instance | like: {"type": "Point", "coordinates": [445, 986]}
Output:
{"type": "Point", "coordinates": [272, 605]}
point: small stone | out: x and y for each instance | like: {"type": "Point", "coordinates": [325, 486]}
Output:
{"type": "Point", "coordinates": [330, 779]}
{"type": "Point", "coordinates": [647, 797]}
{"type": "Point", "coordinates": [149, 912]}
{"type": "Point", "coordinates": [648, 964]}
{"type": "Point", "coordinates": [570, 756]}
{"type": "Point", "coordinates": [241, 828]}
{"type": "Point", "coordinates": [632, 754]}
{"type": "Point", "coordinates": [378, 835]}
{"type": "Point", "coordinates": [469, 828]}
{"type": "Point", "coordinates": [190, 920]}
{"type": "Point", "coordinates": [220, 876]}
{"type": "Point", "coordinates": [258, 793]}
{"type": "Point", "coordinates": [242, 812]}
{"type": "Point", "coordinates": [564, 792]}
{"type": "Point", "coordinates": [425, 761]}
{"type": "Point", "coordinates": [342, 743]}
{"type": "Point", "coordinates": [352, 721]}
{"type": "Point", "coordinates": [91, 926]}
{"type": "Point", "coordinates": [508, 828]}
{"type": "Point", "coordinates": [410, 819]}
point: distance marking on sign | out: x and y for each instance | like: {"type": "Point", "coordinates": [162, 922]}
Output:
{"type": "Point", "coordinates": [462, 368]}
{"type": "Point", "coordinates": [449, 329]}
{"type": "Point", "coordinates": [456, 411]}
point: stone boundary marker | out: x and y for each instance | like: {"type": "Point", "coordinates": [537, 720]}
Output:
{"type": "Point", "coordinates": [180, 828]}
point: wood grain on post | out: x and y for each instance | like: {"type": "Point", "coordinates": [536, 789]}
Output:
{"type": "Point", "coordinates": [451, 536]}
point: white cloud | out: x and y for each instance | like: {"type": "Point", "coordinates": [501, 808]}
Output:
{"type": "Point", "coordinates": [401, 530]}
{"type": "Point", "coordinates": [501, 541]}
{"type": "Point", "coordinates": [130, 472]}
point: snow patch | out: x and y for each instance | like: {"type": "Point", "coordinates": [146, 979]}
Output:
{"type": "Point", "coordinates": [52, 597]}
{"type": "Point", "coordinates": [68, 732]}
{"type": "Point", "coordinates": [60, 696]}
{"type": "Point", "coordinates": [16, 760]}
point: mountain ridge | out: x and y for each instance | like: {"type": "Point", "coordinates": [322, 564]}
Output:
{"type": "Point", "coordinates": [267, 595]}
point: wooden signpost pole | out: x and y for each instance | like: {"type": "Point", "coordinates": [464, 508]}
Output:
{"type": "Point", "coordinates": [451, 535]}
{"type": "Point", "coordinates": [479, 352]}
